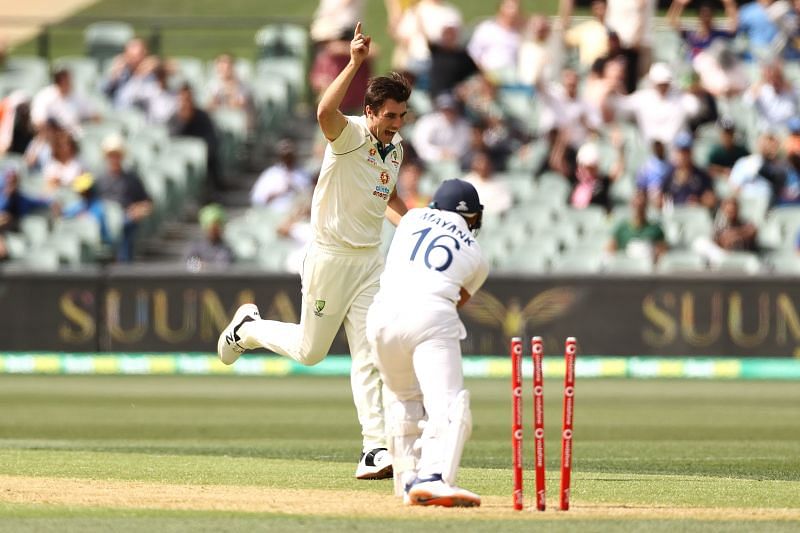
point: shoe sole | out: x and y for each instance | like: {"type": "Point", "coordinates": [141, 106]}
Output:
{"type": "Point", "coordinates": [384, 473]}
{"type": "Point", "coordinates": [221, 343]}
{"type": "Point", "coordinates": [426, 498]}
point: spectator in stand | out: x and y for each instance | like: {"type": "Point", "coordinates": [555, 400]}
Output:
{"type": "Point", "coordinates": [623, 58]}
{"type": "Point", "coordinates": [332, 56]}
{"type": "Point", "coordinates": [190, 120]}
{"type": "Point", "coordinates": [39, 152]}
{"type": "Point", "coordinates": [539, 54]}
{"type": "Point", "coordinates": [90, 204]}
{"type": "Point", "coordinates": [493, 137]}
{"type": "Point", "coordinates": [335, 17]}
{"type": "Point", "coordinates": [124, 187]}
{"type": "Point", "coordinates": [210, 252]}
{"type": "Point", "coordinates": [443, 135]}
{"type": "Point", "coordinates": [280, 184]}
{"type": "Point", "coordinates": [721, 70]}
{"type": "Point", "coordinates": [59, 102]}
{"type": "Point", "coordinates": [700, 39]}
{"type": "Point", "coordinates": [774, 97]}
{"type": "Point", "coordinates": [760, 27]}
{"type": "Point", "coordinates": [493, 191]}
{"type": "Point", "coordinates": [661, 111]}
{"type": "Point", "coordinates": [727, 151]}
{"type": "Point", "coordinates": [687, 183]}
{"type": "Point", "coordinates": [632, 21]}
{"type": "Point", "coordinates": [707, 104]}
{"type": "Point", "coordinates": [791, 144]}
{"type": "Point", "coordinates": [591, 186]}
{"type": "Point", "coordinates": [64, 166]}
{"type": "Point", "coordinates": [227, 91]}
{"type": "Point", "coordinates": [760, 175]}
{"type": "Point", "coordinates": [561, 157]}
{"type": "Point", "coordinates": [495, 42]}
{"type": "Point", "coordinates": [16, 130]}
{"type": "Point", "coordinates": [417, 29]}
{"type": "Point", "coordinates": [14, 203]}
{"type": "Point", "coordinates": [408, 184]}
{"type": "Point", "coordinates": [604, 83]}
{"type": "Point", "coordinates": [450, 62]}
{"type": "Point", "coordinates": [730, 231]}
{"type": "Point", "coordinates": [129, 75]}
{"type": "Point", "coordinates": [589, 37]}
{"type": "Point", "coordinates": [161, 101]}
{"type": "Point", "coordinates": [480, 98]}
{"type": "Point", "coordinates": [731, 234]}
{"type": "Point", "coordinates": [565, 108]}
{"type": "Point", "coordinates": [654, 171]}
{"type": "Point", "coordinates": [638, 236]}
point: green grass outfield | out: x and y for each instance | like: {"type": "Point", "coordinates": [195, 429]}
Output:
{"type": "Point", "coordinates": [237, 453]}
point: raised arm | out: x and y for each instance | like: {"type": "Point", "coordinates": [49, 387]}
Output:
{"type": "Point", "coordinates": [331, 120]}
{"type": "Point", "coordinates": [565, 8]}
{"type": "Point", "coordinates": [732, 13]}
{"type": "Point", "coordinates": [674, 13]}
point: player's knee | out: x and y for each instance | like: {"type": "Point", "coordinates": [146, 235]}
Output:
{"type": "Point", "coordinates": [309, 356]}
{"type": "Point", "coordinates": [403, 418]}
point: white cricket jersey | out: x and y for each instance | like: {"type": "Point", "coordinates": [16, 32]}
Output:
{"type": "Point", "coordinates": [433, 254]}
{"type": "Point", "coordinates": [355, 183]}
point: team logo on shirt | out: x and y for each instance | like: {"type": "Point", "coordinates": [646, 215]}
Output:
{"type": "Point", "coordinates": [319, 305]}
{"type": "Point", "coordinates": [372, 152]}
{"type": "Point", "coordinates": [384, 177]}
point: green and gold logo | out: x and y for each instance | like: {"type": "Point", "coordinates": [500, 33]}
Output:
{"type": "Point", "coordinates": [319, 305]}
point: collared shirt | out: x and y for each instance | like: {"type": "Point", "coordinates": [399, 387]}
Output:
{"type": "Point", "coordinates": [355, 183]}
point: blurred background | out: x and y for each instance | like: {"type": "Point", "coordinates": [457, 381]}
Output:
{"type": "Point", "coordinates": [639, 163]}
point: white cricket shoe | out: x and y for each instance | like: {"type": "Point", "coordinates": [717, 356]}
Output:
{"type": "Point", "coordinates": [375, 464]}
{"type": "Point", "coordinates": [228, 346]}
{"type": "Point", "coordinates": [434, 491]}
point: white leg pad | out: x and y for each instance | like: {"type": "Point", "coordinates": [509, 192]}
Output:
{"type": "Point", "coordinates": [403, 420]}
{"type": "Point", "coordinates": [456, 435]}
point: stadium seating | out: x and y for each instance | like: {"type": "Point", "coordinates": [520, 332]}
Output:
{"type": "Point", "coordinates": [620, 263]}
{"type": "Point", "coordinates": [281, 40]}
{"type": "Point", "coordinates": [577, 261]}
{"type": "Point", "coordinates": [104, 40]}
{"type": "Point", "coordinates": [83, 70]}
{"type": "Point", "coordinates": [739, 263]}
{"type": "Point", "coordinates": [681, 262]}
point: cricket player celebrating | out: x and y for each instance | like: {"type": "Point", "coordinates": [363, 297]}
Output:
{"type": "Point", "coordinates": [434, 266]}
{"type": "Point", "coordinates": [341, 270]}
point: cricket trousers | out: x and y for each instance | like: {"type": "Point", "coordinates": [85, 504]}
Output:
{"type": "Point", "coordinates": [418, 351]}
{"type": "Point", "coordinates": [338, 286]}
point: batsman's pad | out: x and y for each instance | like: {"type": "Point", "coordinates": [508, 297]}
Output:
{"type": "Point", "coordinates": [404, 430]}
{"type": "Point", "coordinates": [456, 435]}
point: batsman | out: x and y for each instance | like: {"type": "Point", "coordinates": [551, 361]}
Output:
{"type": "Point", "coordinates": [433, 267]}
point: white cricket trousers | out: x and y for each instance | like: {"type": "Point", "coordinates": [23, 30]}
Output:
{"type": "Point", "coordinates": [418, 348]}
{"type": "Point", "coordinates": [338, 286]}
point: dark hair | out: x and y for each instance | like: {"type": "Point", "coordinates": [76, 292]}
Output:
{"type": "Point", "coordinates": [382, 88]}
{"type": "Point", "coordinates": [60, 75]}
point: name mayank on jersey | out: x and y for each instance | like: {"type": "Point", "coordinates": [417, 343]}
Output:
{"type": "Point", "coordinates": [438, 220]}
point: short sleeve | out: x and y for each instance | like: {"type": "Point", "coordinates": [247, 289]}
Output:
{"type": "Point", "coordinates": [476, 281]}
{"type": "Point", "coordinates": [350, 138]}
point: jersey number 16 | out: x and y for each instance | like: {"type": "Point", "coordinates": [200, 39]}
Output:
{"type": "Point", "coordinates": [436, 248]}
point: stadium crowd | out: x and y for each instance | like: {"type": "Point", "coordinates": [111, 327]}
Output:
{"type": "Point", "coordinates": [614, 141]}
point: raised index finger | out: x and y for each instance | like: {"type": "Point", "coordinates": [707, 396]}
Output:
{"type": "Point", "coordinates": [358, 29]}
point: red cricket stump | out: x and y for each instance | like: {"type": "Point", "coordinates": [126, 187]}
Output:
{"type": "Point", "coordinates": [537, 352]}
{"type": "Point", "coordinates": [566, 433]}
{"type": "Point", "coordinates": [516, 424]}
